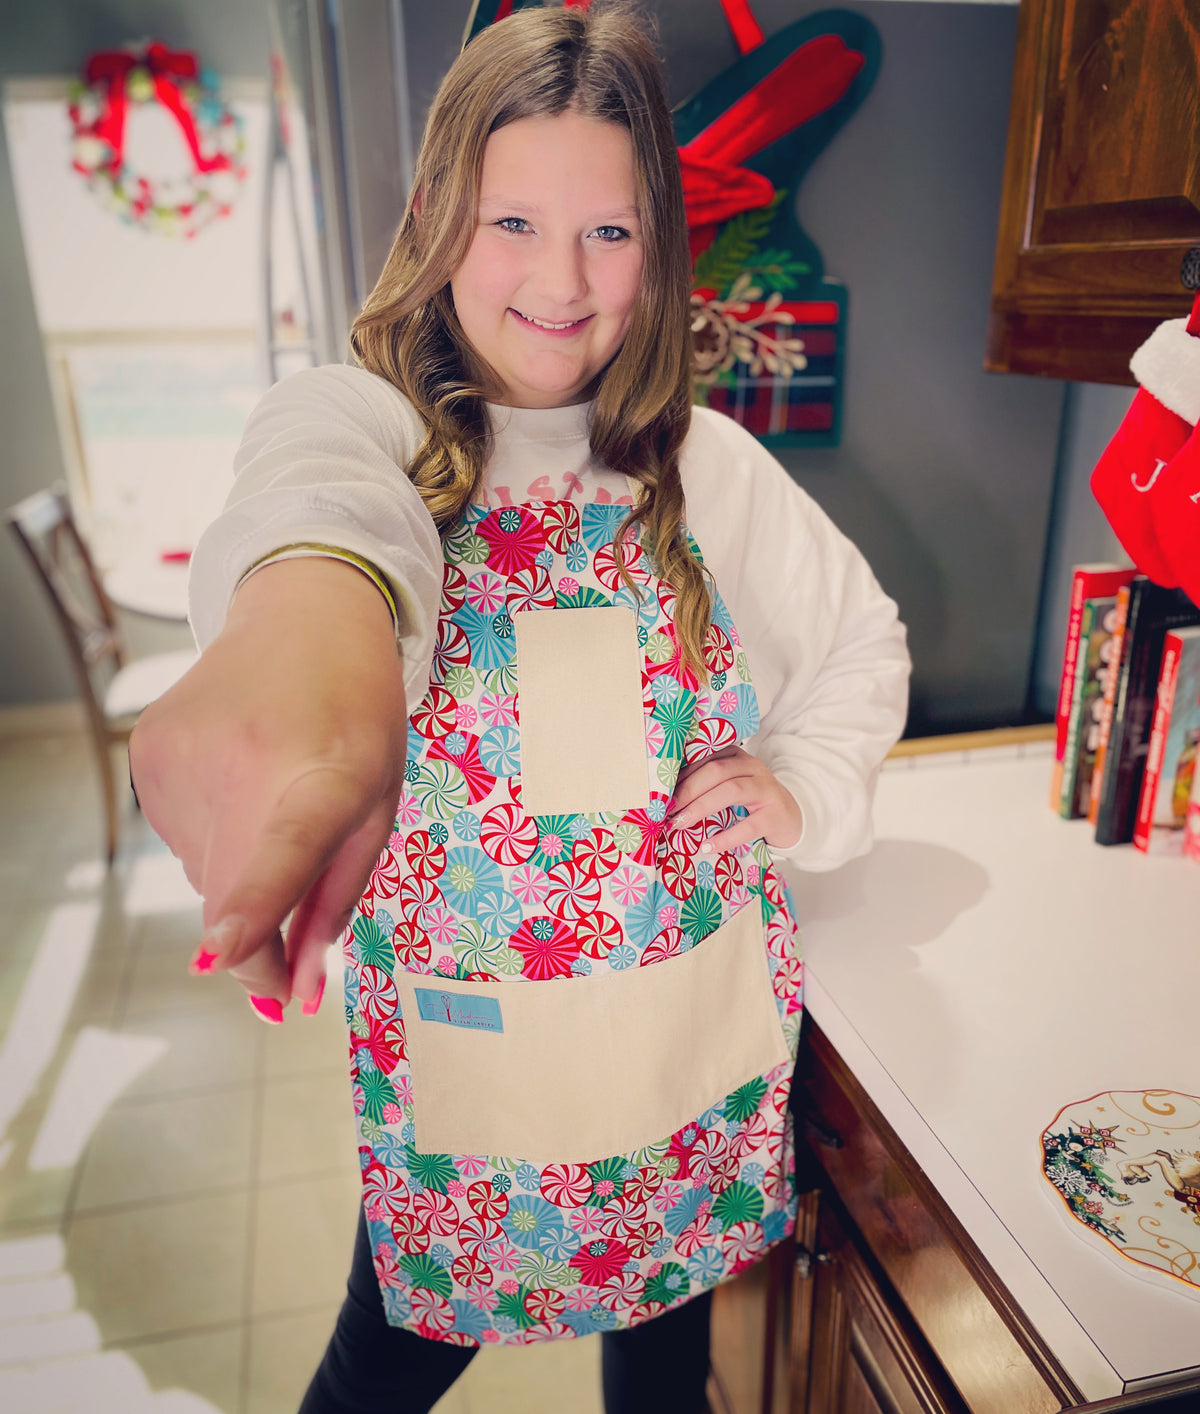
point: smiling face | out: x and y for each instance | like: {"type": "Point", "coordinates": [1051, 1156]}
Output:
{"type": "Point", "coordinates": [546, 291]}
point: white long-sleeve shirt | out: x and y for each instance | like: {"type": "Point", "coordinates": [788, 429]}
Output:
{"type": "Point", "coordinates": [323, 459]}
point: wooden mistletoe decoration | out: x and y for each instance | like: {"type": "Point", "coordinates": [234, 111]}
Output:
{"type": "Point", "coordinates": [768, 324]}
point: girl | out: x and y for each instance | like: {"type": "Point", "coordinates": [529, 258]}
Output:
{"type": "Point", "coordinates": [573, 980]}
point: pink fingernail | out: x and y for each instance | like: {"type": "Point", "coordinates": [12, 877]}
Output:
{"type": "Point", "coordinates": [269, 1009]}
{"type": "Point", "coordinates": [219, 941]}
{"type": "Point", "coordinates": [309, 1008]}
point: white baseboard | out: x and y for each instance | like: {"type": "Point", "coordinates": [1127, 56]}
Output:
{"type": "Point", "coordinates": [42, 719]}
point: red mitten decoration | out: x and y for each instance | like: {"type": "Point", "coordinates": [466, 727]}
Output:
{"type": "Point", "coordinates": [715, 184]}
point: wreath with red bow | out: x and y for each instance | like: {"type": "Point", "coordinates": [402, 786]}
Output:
{"type": "Point", "coordinates": [212, 133]}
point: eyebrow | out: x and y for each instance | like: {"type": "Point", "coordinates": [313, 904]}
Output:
{"type": "Point", "coordinates": [528, 208]}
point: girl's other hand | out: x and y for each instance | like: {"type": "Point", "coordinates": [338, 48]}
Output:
{"type": "Point", "coordinates": [734, 777]}
{"type": "Point", "coordinates": [273, 768]}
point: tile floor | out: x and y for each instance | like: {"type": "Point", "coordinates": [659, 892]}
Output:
{"type": "Point", "coordinates": [178, 1183]}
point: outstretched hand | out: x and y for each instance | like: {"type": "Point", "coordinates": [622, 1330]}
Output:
{"type": "Point", "coordinates": [734, 777]}
{"type": "Point", "coordinates": [272, 770]}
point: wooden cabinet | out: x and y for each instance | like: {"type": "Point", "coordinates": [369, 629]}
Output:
{"type": "Point", "coordinates": [992, 1355]}
{"type": "Point", "coordinates": [751, 1342]}
{"type": "Point", "coordinates": [1101, 199]}
{"type": "Point", "coordinates": [904, 1304]}
{"type": "Point", "coordinates": [864, 1353]}
{"type": "Point", "coordinates": [882, 1304]}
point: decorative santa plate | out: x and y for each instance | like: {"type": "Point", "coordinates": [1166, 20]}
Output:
{"type": "Point", "coordinates": [1126, 1167]}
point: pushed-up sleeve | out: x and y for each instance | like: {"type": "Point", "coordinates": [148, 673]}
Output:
{"type": "Point", "coordinates": [322, 462]}
{"type": "Point", "coordinates": [825, 644]}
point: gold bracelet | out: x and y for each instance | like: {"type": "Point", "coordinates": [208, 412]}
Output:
{"type": "Point", "coordinates": [303, 550]}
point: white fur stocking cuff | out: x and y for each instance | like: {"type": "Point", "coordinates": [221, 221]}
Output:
{"type": "Point", "coordinates": [1168, 366]}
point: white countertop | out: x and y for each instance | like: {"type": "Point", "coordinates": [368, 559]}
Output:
{"type": "Point", "coordinates": [984, 966]}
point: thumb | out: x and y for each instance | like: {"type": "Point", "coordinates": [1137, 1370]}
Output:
{"type": "Point", "coordinates": [294, 847]}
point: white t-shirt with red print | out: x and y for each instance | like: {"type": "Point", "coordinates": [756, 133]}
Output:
{"type": "Point", "coordinates": [322, 460]}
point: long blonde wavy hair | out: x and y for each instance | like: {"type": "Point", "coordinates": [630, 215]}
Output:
{"type": "Point", "coordinates": [539, 63]}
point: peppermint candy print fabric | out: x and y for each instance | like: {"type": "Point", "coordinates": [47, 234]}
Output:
{"type": "Point", "coordinates": [477, 1249]}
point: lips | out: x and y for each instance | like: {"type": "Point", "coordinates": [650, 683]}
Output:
{"type": "Point", "coordinates": [548, 326]}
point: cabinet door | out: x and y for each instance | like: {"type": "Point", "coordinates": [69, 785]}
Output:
{"type": "Point", "coordinates": [751, 1316]}
{"type": "Point", "coordinates": [865, 1356]}
{"type": "Point", "coordinates": [1101, 193]}
{"type": "Point", "coordinates": [981, 1337]}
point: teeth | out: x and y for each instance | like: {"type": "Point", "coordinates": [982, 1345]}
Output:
{"type": "Point", "coordinates": [545, 323]}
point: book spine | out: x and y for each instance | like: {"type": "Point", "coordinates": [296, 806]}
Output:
{"type": "Point", "coordinates": [1070, 763]}
{"type": "Point", "coordinates": [1087, 582]}
{"type": "Point", "coordinates": [1153, 611]}
{"type": "Point", "coordinates": [1066, 688]}
{"type": "Point", "coordinates": [1163, 702]}
{"type": "Point", "coordinates": [1114, 823]}
{"type": "Point", "coordinates": [1112, 674]}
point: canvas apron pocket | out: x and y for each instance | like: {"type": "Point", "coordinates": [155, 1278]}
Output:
{"type": "Point", "coordinates": [575, 1070]}
{"type": "Point", "coordinates": [583, 733]}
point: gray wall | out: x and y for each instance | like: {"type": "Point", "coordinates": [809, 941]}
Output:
{"type": "Point", "coordinates": [53, 37]}
{"type": "Point", "coordinates": [945, 472]}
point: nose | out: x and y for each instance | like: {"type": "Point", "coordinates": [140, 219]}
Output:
{"type": "Point", "coordinates": [561, 273]}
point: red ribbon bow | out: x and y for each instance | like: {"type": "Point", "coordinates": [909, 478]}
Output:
{"type": "Point", "coordinates": [168, 68]}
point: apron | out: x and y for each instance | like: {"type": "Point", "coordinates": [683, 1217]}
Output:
{"type": "Point", "coordinates": [572, 1032]}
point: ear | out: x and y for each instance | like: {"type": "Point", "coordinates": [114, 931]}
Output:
{"type": "Point", "coordinates": [417, 201]}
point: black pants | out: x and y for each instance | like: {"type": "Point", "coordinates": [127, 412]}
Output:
{"type": "Point", "coordinates": [373, 1368]}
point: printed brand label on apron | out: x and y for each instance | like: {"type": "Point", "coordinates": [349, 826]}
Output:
{"type": "Point", "coordinates": [476, 1013]}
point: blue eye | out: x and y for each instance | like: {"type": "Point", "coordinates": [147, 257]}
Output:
{"type": "Point", "coordinates": [515, 225]}
{"type": "Point", "coordinates": [612, 234]}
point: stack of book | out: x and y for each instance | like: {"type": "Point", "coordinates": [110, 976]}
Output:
{"type": "Point", "coordinates": [1128, 722]}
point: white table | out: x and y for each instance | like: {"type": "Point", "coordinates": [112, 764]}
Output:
{"type": "Point", "coordinates": [153, 587]}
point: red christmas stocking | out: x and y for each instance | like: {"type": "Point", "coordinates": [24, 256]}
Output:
{"type": "Point", "coordinates": [1148, 479]}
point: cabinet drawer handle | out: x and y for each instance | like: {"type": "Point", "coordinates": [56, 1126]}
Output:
{"type": "Point", "coordinates": [804, 1261]}
{"type": "Point", "coordinates": [817, 1129]}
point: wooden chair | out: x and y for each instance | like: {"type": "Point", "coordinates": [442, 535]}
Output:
{"type": "Point", "coordinates": [114, 689]}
